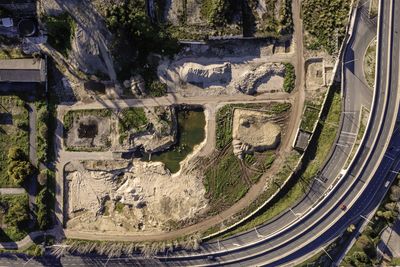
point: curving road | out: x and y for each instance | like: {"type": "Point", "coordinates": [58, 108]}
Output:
{"type": "Point", "coordinates": [360, 189]}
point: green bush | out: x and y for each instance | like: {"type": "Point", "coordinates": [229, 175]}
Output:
{"type": "Point", "coordinates": [290, 78]}
{"type": "Point", "coordinates": [325, 20]}
{"type": "Point", "coordinates": [19, 168]}
{"type": "Point", "coordinates": [135, 37]}
{"type": "Point", "coordinates": [60, 31]}
{"type": "Point", "coordinates": [43, 214]}
{"type": "Point", "coordinates": [17, 214]}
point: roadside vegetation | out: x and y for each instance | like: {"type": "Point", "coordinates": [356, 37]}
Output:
{"type": "Point", "coordinates": [297, 186]}
{"type": "Point", "coordinates": [13, 136]}
{"type": "Point", "coordinates": [310, 117]}
{"type": "Point", "coordinates": [228, 178]}
{"type": "Point", "coordinates": [325, 22]}
{"type": "Point", "coordinates": [363, 252]}
{"type": "Point", "coordinates": [290, 78]}
{"type": "Point", "coordinates": [370, 63]}
{"type": "Point", "coordinates": [14, 217]}
{"type": "Point", "coordinates": [130, 24]}
{"type": "Point", "coordinates": [61, 30]}
{"type": "Point", "coordinates": [374, 8]}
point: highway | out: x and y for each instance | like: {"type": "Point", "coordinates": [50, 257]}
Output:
{"type": "Point", "coordinates": [317, 230]}
{"type": "Point", "coordinates": [361, 189]}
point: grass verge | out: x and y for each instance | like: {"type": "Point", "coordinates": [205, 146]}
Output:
{"type": "Point", "coordinates": [370, 63]}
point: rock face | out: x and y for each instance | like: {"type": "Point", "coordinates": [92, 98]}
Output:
{"type": "Point", "coordinates": [206, 75]}
{"type": "Point", "coordinates": [249, 81]}
{"type": "Point", "coordinates": [253, 131]}
{"type": "Point", "coordinates": [130, 196]}
{"type": "Point", "coordinates": [159, 134]}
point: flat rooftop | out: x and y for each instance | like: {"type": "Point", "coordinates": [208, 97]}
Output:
{"type": "Point", "coordinates": [25, 70]}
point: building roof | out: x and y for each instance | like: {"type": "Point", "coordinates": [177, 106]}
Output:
{"type": "Point", "coordinates": [302, 140]}
{"type": "Point", "coordinates": [23, 70]}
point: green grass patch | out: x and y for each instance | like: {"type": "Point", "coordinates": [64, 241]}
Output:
{"type": "Point", "coordinates": [61, 30]}
{"type": "Point", "coordinates": [310, 118]}
{"type": "Point", "coordinates": [290, 78]}
{"type": "Point", "coordinates": [119, 207]}
{"type": "Point", "coordinates": [9, 53]}
{"type": "Point", "coordinates": [325, 21]}
{"type": "Point", "coordinates": [224, 183]}
{"type": "Point", "coordinates": [131, 119]}
{"type": "Point", "coordinates": [14, 217]}
{"type": "Point", "coordinates": [13, 134]}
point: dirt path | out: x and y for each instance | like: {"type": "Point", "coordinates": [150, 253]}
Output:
{"type": "Point", "coordinates": [94, 25]}
{"type": "Point", "coordinates": [296, 98]}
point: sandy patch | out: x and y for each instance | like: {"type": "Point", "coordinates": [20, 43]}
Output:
{"type": "Point", "coordinates": [254, 131]}
{"type": "Point", "coordinates": [137, 197]}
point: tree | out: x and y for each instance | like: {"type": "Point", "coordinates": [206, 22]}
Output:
{"type": "Point", "coordinates": [394, 193]}
{"type": "Point", "coordinates": [42, 212]}
{"type": "Point", "coordinates": [18, 166]}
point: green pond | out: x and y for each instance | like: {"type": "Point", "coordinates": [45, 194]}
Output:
{"type": "Point", "coordinates": [190, 133]}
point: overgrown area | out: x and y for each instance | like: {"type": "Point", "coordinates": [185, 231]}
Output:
{"type": "Point", "coordinates": [370, 63]}
{"type": "Point", "coordinates": [310, 117]}
{"type": "Point", "coordinates": [136, 39]}
{"type": "Point", "coordinates": [42, 121]}
{"type": "Point", "coordinates": [228, 178]}
{"type": "Point", "coordinates": [14, 217]}
{"type": "Point", "coordinates": [60, 30]}
{"type": "Point", "coordinates": [325, 21]}
{"type": "Point", "coordinates": [131, 119]}
{"type": "Point", "coordinates": [290, 78]}
{"type": "Point", "coordinates": [13, 135]}
{"type": "Point", "coordinates": [324, 138]}
{"type": "Point", "coordinates": [363, 252]}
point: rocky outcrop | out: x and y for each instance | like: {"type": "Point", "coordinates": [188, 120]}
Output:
{"type": "Point", "coordinates": [248, 82]}
{"type": "Point", "coordinates": [253, 131]}
{"type": "Point", "coordinates": [206, 75]}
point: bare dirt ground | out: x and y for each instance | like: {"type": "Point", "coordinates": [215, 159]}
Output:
{"type": "Point", "coordinates": [89, 132]}
{"type": "Point", "coordinates": [254, 131]}
{"type": "Point", "coordinates": [213, 69]}
{"type": "Point", "coordinates": [132, 196]}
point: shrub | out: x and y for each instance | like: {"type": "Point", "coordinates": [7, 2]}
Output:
{"type": "Point", "coordinates": [60, 30]}
{"type": "Point", "coordinates": [290, 78]}
{"type": "Point", "coordinates": [42, 209]}
{"type": "Point", "coordinates": [17, 214]}
{"type": "Point", "coordinates": [18, 166]}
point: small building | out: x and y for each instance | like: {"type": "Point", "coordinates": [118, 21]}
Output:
{"type": "Point", "coordinates": [22, 74]}
{"type": "Point", "coordinates": [302, 140]}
